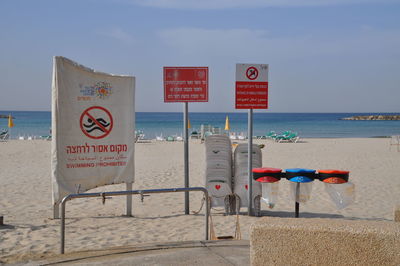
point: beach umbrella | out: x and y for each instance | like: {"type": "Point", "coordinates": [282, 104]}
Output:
{"type": "Point", "coordinates": [227, 127]}
{"type": "Point", "coordinates": [10, 121]}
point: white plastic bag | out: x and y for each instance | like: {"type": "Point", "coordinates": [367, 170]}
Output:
{"type": "Point", "coordinates": [304, 193]}
{"type": "Point", "coordinates": [269, 193]}
{"type": "Point", "coordinates": [341, 194]}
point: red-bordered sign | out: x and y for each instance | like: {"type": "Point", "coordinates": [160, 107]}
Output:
{"type": "Point", "coordinates": [96, 122]}
{"type": "Point", "coordinates": [251, 86]}
{"type": "Point", "coordinates": [185, 84]}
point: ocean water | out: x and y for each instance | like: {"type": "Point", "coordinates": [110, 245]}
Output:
{"type": "Point", "coordinates": [320, 125]}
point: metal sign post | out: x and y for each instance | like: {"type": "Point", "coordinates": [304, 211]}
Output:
{"type": "Point", "coordinates": [186, 155]}
{"type": "Point", "coordinates": [250, 161]}
{"type": "Point", "coordinates": [297, 204]}
{"type": "Point", "coordinates": [186, 84]}
{"type": "Point", "coordinates": [251, 93]}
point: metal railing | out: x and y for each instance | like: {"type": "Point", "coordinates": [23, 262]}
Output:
{"type": "Point", "coordinates": [130, 192]}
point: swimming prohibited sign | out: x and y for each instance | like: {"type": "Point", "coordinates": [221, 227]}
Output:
{"type": "Point", "coordinates": [96, 122]}
{"type": "Point", "coordinates": [93, 125]}
{"type": "Point", "coordinates": [251, 86]}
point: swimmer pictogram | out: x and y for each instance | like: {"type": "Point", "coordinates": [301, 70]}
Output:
{"type": "Point", "coordinates": [96, 122]}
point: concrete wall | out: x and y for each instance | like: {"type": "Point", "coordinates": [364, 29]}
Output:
{"type": "Point", "coordinates": [291, 241]}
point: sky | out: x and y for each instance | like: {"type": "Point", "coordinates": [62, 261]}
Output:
{"type": "Point", "coordinates": [323, 55]}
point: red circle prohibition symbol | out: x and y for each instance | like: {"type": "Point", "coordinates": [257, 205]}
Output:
{"type": "Point", "coordinates": [96, 124]}
{"type": "Point", "coordinates": [252, 73]}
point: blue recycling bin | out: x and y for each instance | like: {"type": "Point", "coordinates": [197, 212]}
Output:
{"type": "Point", "coordinates": [300, 185]}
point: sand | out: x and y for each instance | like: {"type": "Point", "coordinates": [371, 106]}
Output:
{"type": "Point", "coordinates": [30, 232]}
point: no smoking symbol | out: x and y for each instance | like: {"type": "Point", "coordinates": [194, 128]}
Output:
{"type": "Point", "coordinates": [96, 122]}
{"type": "Point", "coordinates": [252, 73]}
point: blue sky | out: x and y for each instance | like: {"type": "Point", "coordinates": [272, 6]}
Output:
{"type": "Point", "coordinates": [324, 56]}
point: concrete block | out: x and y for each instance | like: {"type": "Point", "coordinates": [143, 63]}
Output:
{"type": "Point", "coordinates": [290, 241]}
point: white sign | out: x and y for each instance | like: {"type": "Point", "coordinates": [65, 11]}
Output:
{"type": "Point", "coordinates": [92, 129]}
{"type": "Point", "coordinates": [251, 86]}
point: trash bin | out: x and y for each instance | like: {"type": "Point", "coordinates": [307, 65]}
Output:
{"type": "Point", "coordinates": [300, 183]}
{"type": "Point", "coordinates": [338, 187]}
{"type": "Point", "coordinates": [269, 179]}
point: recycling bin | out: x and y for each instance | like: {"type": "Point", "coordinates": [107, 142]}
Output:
{"type": "Point", "coordinates": [338, 187]}
{"type": "Point", "coordinates": [301, 181]}
{"type": "Point", "coordinates": [269, 179]}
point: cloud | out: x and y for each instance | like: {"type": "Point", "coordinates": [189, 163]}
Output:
{"type": "Point", "coordinates": [117, 34]}
{"type": "Point", "coordinates": [222, 4]}
{"type": "Point", "coordinates": [248, 43]}
{"type": "Point", "coordinates": [212, 41]}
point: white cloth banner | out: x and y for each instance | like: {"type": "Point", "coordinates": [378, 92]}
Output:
{"type": "Point", "coordinates": [92, 129]}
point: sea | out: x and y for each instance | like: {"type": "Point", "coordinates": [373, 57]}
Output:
{"type": "Point", "coordinates": [307, 125]}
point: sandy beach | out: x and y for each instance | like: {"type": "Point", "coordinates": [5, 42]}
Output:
{"type": "Point", "coordinates": [30, 232]}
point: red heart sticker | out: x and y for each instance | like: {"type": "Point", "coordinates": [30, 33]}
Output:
{"type": "Point", "coordinates": [246, 187]}
{"type": "Point", "coordinates": [217, 187]}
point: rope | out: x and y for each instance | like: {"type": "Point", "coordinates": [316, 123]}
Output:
{"type": "Point", "coordinates": [238, 233]}
{"type": "Point", "coordinates": [201, 207]}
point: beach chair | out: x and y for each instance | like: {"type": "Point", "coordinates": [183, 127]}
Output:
{"type": "Point", "coordinates": [288, 137]}
{"type": "Point", "coordinates": [170, 138]}
{"type": "Point", "coordinates": [218, 172]}
{"type": "Point", "coordinates": [232, 136]}
{"type": "Point", "coordinates": [216, 131]}
{"type": "Point", "coordinates": [4, 136]}
{"type": "Point", "coordinates": [240, 180]}
{"type": "Point", "coordinates": [203, 130]}
{"type": "Point", "coordinates": [194, 135]}
{"type": "Point", "coordinates": [160, 138]}
{"type": "Point", "coordinates": [271, 135]}
{"type": "Point", "coordinates": [395, 140]}
{"type": "Point", "coordinates": [241, 136]}
{"type": "Point", "coordinates": [139, 135]}
{"type": "Point", "coordinates": [45, 137]}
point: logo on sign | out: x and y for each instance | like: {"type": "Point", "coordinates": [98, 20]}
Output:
{"type": "Point", "coordinates": [252, 73]}
{"type": "Point", "coordinates": [96, 122]}
{"type": "Point", "coordinates": [101, 90]}
{"type": "Point", "coordinates": [201, 74]}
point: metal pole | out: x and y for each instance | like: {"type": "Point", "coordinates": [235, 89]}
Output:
{"type": "Point", "coordinates": [297, 204]}
{"type": "Point", "coordinates": [186, 155]}
{"type": "Point", "coordinates": [207, 201]}
{"type": "Point", "coordinates": [250, 161]}
{"type": "Point", "coordinates": [129, 200]}
{"type": "Point", "coordinates": [63, 202]}
{"type": "Point", "coordinates": [131, 192]}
